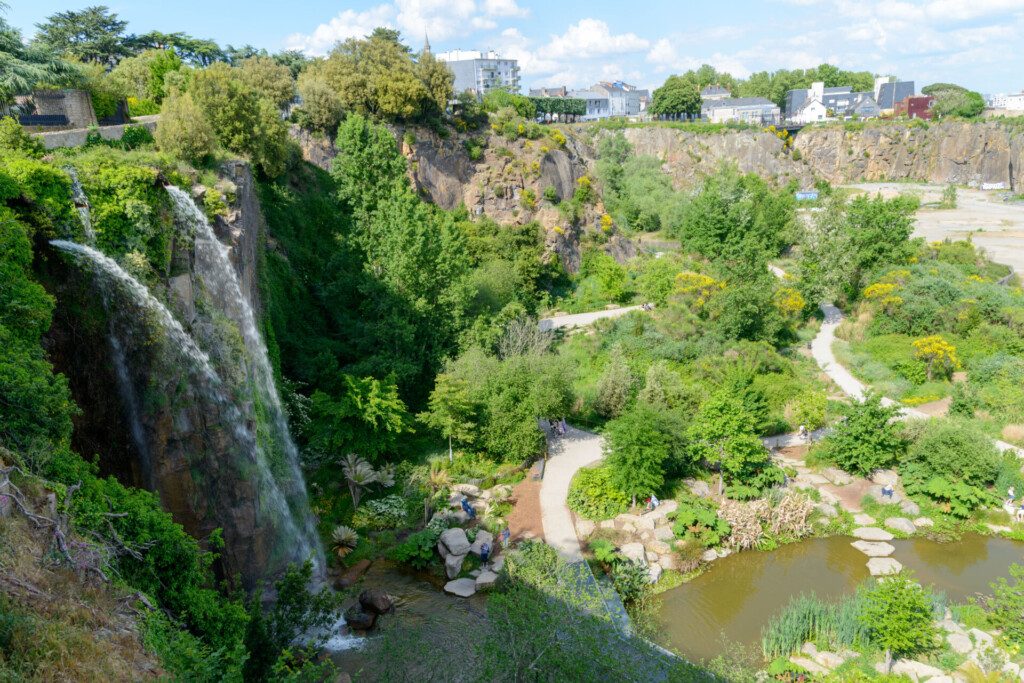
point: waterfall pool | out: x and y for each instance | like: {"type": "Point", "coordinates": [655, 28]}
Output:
{"type": "Point", "coordinates": [736, 596]}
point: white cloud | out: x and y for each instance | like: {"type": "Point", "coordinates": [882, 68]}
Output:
{"type": "Point", "coordinates": [439, 19]}
{"type": "Point", "coordinates": [348, 24]}
{"type": "Point", "coordinates": [505, 8]}
{"type": "Point", "coordinates": [592, 38]}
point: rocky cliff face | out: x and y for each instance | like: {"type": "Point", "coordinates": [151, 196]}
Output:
{"type": "Point", "coordinates": [152, 419]}
{"type": "Point", "coordinates": [946, 152]}
{"type": "Point", "coordinates": [687, 157]}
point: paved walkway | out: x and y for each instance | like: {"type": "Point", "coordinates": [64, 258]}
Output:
{"type": "Point", "coordinates": [583, 319]}
{"type": "Point", "coordinates": [567, 454]}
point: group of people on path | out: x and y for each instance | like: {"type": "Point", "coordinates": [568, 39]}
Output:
{"type": "Point", "coordinates": [485, 548]}
{"type": "Point", "coordinates": [1011, 500]}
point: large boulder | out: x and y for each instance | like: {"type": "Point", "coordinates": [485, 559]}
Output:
{"type": "Point", "coordinates": [654, 572]}
{"type": "Point", "coordinates": [486, 579]}
{"type": "Point", "coordinates": [883, 566]}
{"type": "Point", "coordinates": [910, 507]}
{"type": "Point", "coordinates": [876, 493]}
{"type": "Point", "coordinates": [453, 564]}
{"type": "Point", "coordinates": [359, 619]}
{"type": "Point", "coordinates": [376, 601]}
{"type": "Point", "coordinates": [634, 552]}
{"type": "Point", "coordinates": [901, 524]}
{"type": "Point", "coordinates": [470, 490]}
{"type": "Point", "coordinates": [478, 543]}
{"type": "Point", "coordinates": [882, 477]}
{"type": "Point", "coordinates": [455, 541]}
{"type": "Point", "coordinates": [915, 670]}
{"type": "Point", "coordinates": [664, 533]}
{"type": "Point", "coordinates": [837, 476]}
{"type": "Point", "coordinates": [584, 528]}
{"type": "Point", "coordinates": [959, 642]}
{"type": "Point", "coordinates": [701, 489]}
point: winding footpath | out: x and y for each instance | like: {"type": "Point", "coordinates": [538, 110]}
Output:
{"type": "Point", "coordinates": [568, 454]}
{"type": "Point", "coordinates": [570, 320]}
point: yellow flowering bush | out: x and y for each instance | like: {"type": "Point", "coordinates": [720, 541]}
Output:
{"type": "Point", "coordinates": [698, 286]}
{"type": "Point", "coordinates": [938, 354]}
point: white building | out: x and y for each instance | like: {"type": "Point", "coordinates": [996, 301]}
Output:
{"type": "Point", "coordinates": [623, 98]}
{"type": "Point", "coordinates": [598, 104]}
{"type": "Point", "coordinates": [810, 111]}
{"type": "Point", "coordinates": [1008, 102]}
{"type": "Point", "coordinates": [481, 72]}
{"type": "Point", "coordinates": [752, 110]}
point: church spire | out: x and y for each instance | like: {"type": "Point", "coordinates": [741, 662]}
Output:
{"type": "Point", "coordinates": [426, 44]}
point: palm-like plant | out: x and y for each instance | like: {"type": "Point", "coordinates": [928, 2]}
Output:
{"type": "Point", "coordinates": [359, 474]}
{"type": "Point", "coordinates": [344, 539]}
{"type": "Point", "coordinates": [386, 476]}
{"type": "Point", "coordinates": [436, 479]}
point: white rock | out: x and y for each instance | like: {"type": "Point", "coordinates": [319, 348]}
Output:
{"type": "Point", "coordinates": [467, 490]}
{"type": "Point", "coordinates": [584, 527]}
{"type": "Point", "coordinates": [497, 564]}
{"type": "Point", "coordinates": [910, 507]}
{"type": "Point", "coordinates": [950, 626]}
{"type": "Point", "coordinates": [461, 587]}
{"type": "Point", "coordinates": [885, 477]}
{"type": "Point", "coordinates": [453, 565]}
{"type": "Point", "coordinates": [659, 547]}
{"type": "Point", "coordinates": [942, 679]}
{"type": "Point", "coordinates": [607, 524]}
{"type": "Point", "coordinates": [651, 556]}
{"type": "Point", "coordinates": [809, 664]}
{"type": "Point", "coordinates": [901, 524]}
{"type": "Point", "coordinates": [874, 548]}
{"type": "Point", "coordinates": [698, 488]}
{"type": "Point", "coordinates": [668, 506]}
{"type": "Point", "coordinates": [813, 479]}
{"type": "Point", "coordinates": [871, 533]}
{"type": "Point", "coordinates": [724, 552]}
{"type": "Point", "coordinates": [809, 649]}
{"type": "Point", "coordinates": [982, 639]}
{"type": "Point", "coordinates": [827, 510]}
{"type": "Point", "coordinates": [876, 493]}
{"type": "Point", "coordinates": [664, 533]}
{"type": "Point", "coordinates": [959, 642]}
{"type": "Point", "coordinates": [626, 518]}
{"type": "Point", "coordinates": [709, 555]}
{"type": "Point", "coordinates": [667, 561]}
{"type": "Point", "coordinates": [882, 566]}
{"type": "Point", "coordinates": [486, 578]}
{"type": "Point", "coordinates": [644, 522]}
{"type": "Point", "coordinates": [1012, 669]}
{"type": "Point", "coordinates": [455, 541]}
{"type": "Point", "coordinates": [481, 538]}
{"type": "Point", "coordinates": [828, 497]}
{"type": "Point", "coordinates": [829, 660]}
{"type": "Point", "coordinates": [655, 571]}
{"type": "Point", "coordinates": [628, 527]}
{"type": "Point", "coordinates": [635, 552]}
{"type": "Point", "coordinates": [998, 528]}
{"type": "Point", "coordinates": [862, 519]}
{"type": "Point", "coordinates": [916, 670]}
{"type": "Point", "coordinates": [922, 522]}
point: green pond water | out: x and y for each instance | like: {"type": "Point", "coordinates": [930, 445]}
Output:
{"type": "Point", "coordinates": [737, 595]}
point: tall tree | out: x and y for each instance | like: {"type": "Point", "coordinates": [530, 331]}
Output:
{"type": "Point", "coordinates": [637, 451]}
{"type": "Point", "coordinates": [21, 66]}
{"type": "Point", "coordinates": [676, 97]}
{"type": "Point", "coordinates": [450, 411]}
{"type": "Point", "coordinates": [94, 34]}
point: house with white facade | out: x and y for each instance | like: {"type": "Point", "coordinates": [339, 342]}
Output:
{"type": "Point", "coordinates": [1007, 102]}
{"type": "Point", "coordinates": [818, 103]}
{"type": "Point", "coordinates": [480, 72]}
{"type": "Point", "coordinates": [623, 98]}
{"type": "Point", "coordinates": [753, 110]}
{"type": "Point", "coordinates": [598, 104]}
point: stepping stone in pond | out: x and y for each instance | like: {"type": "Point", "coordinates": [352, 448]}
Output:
{"type": "Point", "coordinates": [883, 566]}
{"type": "Point", "coordinates": [874, 548]}
{"type": "Point", "coordinates": [872, 533]}
{"type": "Point", "coordinates": [461, 587]}
{"type": "Point", "coordinates": [863, 519]}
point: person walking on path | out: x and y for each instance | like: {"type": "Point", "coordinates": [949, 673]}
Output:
{"type": "Point", "coordinates": [1011, 496]}
{"type": "Point", "coordinates": [467, 508]}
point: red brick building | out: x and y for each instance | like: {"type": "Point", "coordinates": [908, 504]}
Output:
{"type": "Point", "coordinates": [915, 107]}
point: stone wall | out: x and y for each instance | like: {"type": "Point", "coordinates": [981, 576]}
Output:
{"type": "Point", "coordinates": [76, 105]}
{"type": "Point", "coordinates": [76, 137]}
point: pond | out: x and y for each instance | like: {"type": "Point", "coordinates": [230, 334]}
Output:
{"type": "Point", "coordinates": [737, 595]}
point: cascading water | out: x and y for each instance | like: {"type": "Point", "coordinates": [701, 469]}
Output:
{"type": "Point", "coordinates": [81, 202]}
{"type": "Point", "coordinates": [213, 265]}
{"type": "Point", "coordinates": [272, 503]}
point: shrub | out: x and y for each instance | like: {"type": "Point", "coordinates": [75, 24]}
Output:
{"type": "Point", "coordinates": [135, 137]}
{"type": "Point", "coordinates": [866, 440]}
{"type": "Point", "coordinates": [551, 194]}
{"type": "Point", "coordinates": [592, 495]}
{"type": "Point", "coordinates": [142, 107]}
{"type": "Point", "coordinates": [417, 550]}
{"type": "Point", "coordinates": [389, 512]}
{"type": "Point", "coordinates": [897, 614]}
{"type": "Point", "coordinates": [1006, 606]}
{"type": "Point", "coordinates": [632, 581]}
{"type": "Point", "coordinates": [807, 409]}
{"type": "Point", "coordinates": [699, 521]}
{"type": "Point", "coordinates": [184, 130]}
{"type": "Point", "coordinates": [321, 106]}
{"type": "Point", "coordinates": [604, 551]}
{"type": "Point", "coordinates": [13, 138]}
{"type": "Point", "coordinates": [954, 450]}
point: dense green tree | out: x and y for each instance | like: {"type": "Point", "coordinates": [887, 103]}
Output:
{"type": "Point", "coordinates": [676, 96]}
{"type": "Point", "coordinates": [295, 60]}
{"type": "Point", "coordinates": [638, 451]}
{"type": "Point", "coordinates": [867, 440]}
{"type": "Point", "coordinates": [184, 130]}
{"type": "Point", "coordinates": [954, 100]}
{"type": "Point", "coordinates": [450, 410]}
{"type": "Point", "coordinates": [898, 615]}
{"type": "Point", "coordinates": [377, 75]}
{"type": "Point", "coordinates": [268, 78]}
{"type": "Point", "coordinates": [825, 267]}
{"type": "Point", "coordinates": [243, 122]}
{"type": "Point", "coordinates": [94, 34]}
{"type": "Point", "coordinates": [615, 387]}
{"type": "Point", "coordinates": [142, 76]}
{"type": "Point", "coordinates": [196, 51]}
{"type": "Point", "coordinates": [321, 107]}
{"type": "Point", "coordinates": [367, 416]}
{"type": "Point", "coordinates": [774, 85]}
{"type": "Point", "coordinates": [368, 166]}
{"type": "Point", "coordinates": [879, 233]}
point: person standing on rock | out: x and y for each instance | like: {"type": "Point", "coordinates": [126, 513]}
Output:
{"type": "Point", "coordinates": [888, 491]}
{"type": "Point", "coordinates": [1011, 494]}
{"type": "Point", "coordinates": [467, 508]}
{"type": "Point", "coordinates": [485, 555]}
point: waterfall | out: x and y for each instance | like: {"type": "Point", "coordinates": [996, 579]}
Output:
{"type": "Point", "coordinates": [213, 265]}
{"type": "Point", "coordinates": [131, 402]}
{"type": "Point", "coordinates": [206, 380]}
{"type": "Point", "coordinates": [81, 202]}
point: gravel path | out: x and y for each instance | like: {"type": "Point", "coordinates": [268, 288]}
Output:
{"type": "Point", "coordinates": [567, 454]}
{"type": "Point", "coordinates": [583, 319]}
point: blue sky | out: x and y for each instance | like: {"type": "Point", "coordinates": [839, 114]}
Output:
{"type": "Point", "coordinates": [978, 43]}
